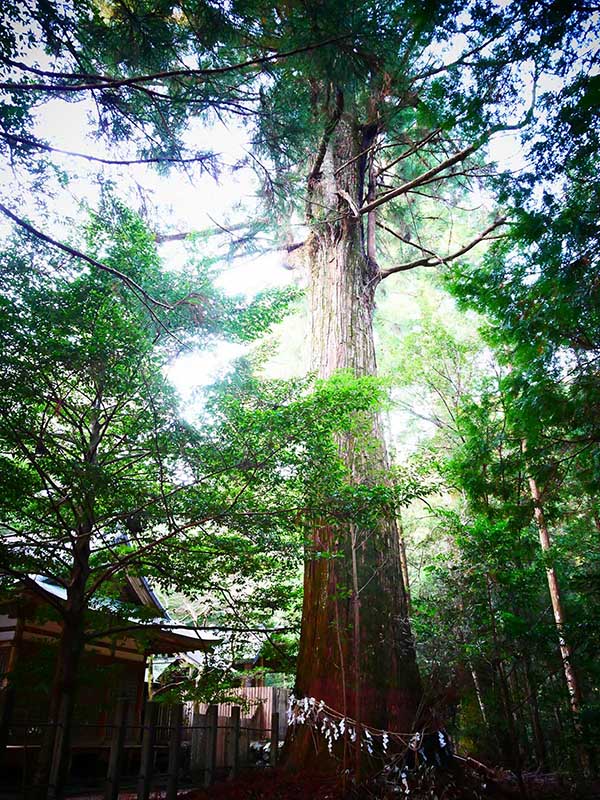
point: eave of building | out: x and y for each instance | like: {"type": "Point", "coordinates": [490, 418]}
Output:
{"type": "Point", "coordinates": [158, 640]}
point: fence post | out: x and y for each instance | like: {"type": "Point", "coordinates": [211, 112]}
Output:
{"type": "Point", "coordinates": [210, 755]}
{"type": "Point", "coordinates": [174, 751]}
{"type": "Point", "coordinates": [57, 766]}
{"type": "Point", "coordinates": [149, 735]}
{"type": "Point", "coordinates": [7, 702]}
{"type": "Point", "coordinates": [115, 758]}
{"type": "Point", "coordinates": [234, 744]}
{"type": "Point", "coordinates": [274, 750]}
{"type": "Point", "coordinates": [196, 754]}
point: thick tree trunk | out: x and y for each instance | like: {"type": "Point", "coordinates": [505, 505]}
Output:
{"type": "Point", "coordinates": [356, 651]}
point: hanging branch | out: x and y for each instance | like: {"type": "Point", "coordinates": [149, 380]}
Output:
{"type": "Point", "coordinates": [129, 282]}
{"type": "Point", "coordinates": [38, 145]}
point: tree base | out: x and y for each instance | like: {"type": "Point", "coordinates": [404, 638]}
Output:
{"type": "Point", "coordinates": [460, 783]}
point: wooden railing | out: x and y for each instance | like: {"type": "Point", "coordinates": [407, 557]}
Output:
{"type": "Point", "coordinates": [171, 749]}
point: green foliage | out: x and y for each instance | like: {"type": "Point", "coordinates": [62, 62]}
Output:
{"type": "Point", "coordinates": [479, 591]}
{"type": "Point", "coordinates": [95, 451]}
{"type": "Point", "coordinates": [92, 445]}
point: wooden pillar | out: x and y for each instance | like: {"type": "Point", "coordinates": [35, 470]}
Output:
{"type": "Point", "coordinates": [147, 756]}
{"type": "Point", "coordinates": [174, 751]}
{"type": "Point", "coordinates": [8, 693]}
{"type": "Point", "coordinates": [111, 791]}
{"type": "Point", "coordinates": [234, 743]}
{"type": "Point", "coordinates": [7, 704]}
{"type": "Point", "coordinates": [210, 755]}
{"type": "Point", "coordinates": [274, 754]}
{"type": "Point", "coordinates": [56, 762]}
{"type": "Point", "coordinates": [197, 737]}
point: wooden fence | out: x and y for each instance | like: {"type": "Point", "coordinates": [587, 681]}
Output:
{"type": "Point", "coordinates": [187, 745]}
{"type": "Point", "coordinates": [172, 740]}
{"type": "Point", "coordinates": [258, 704]}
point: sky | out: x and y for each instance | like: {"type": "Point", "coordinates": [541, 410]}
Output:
{"type": "Point", "coordinates": [181, 202]}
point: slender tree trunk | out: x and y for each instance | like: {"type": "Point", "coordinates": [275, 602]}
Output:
{"type": "Point", "coordinates": [536, 724]}
{"type": "Point", "coordinates": [474, 675]}
{"type": "Point", "coordinates": [360, 607]}
{"type": "Point", "coordinates": [512, 743]}
{"type": "Point", "coordinates": [53, 761]}
{"type": "Point", "coordinates": [478, 693]}
{"type": "Point", "coordinates": [404, 564]}
{"type": "Point", "coordinates": [566, 652]}
{"type": "Point", "coordinates": [557, 605]}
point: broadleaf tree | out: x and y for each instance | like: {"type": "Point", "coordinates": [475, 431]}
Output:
{"type": "Point", "coordinates": [104, 478]}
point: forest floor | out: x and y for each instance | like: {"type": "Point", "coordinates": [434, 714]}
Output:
{"type": "Point", "coordinates": [283, 785]}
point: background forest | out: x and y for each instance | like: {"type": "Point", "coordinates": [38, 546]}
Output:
{"type": "Point", "coordinates": [300, 322]}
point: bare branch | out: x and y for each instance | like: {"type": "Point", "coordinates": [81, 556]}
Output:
{"type": "Point", "coordinates": [419, 180]}
{"type": "Point", "coordinates": [405, 240]}
{"type": "Point", "coordinates": [412, 149]}
{"type": "Point", "coordinates": [434, 261]}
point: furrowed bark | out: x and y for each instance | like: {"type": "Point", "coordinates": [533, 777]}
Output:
{"type": "Point", "coordinates": [355, 603]}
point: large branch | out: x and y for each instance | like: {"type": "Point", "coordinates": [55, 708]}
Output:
{"type": "Point", "coordinates": [110, 82]}
{"type": "Point", "coordinates": [425, 177]}
{"type": "Point", "coordinates": [434, 261]}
